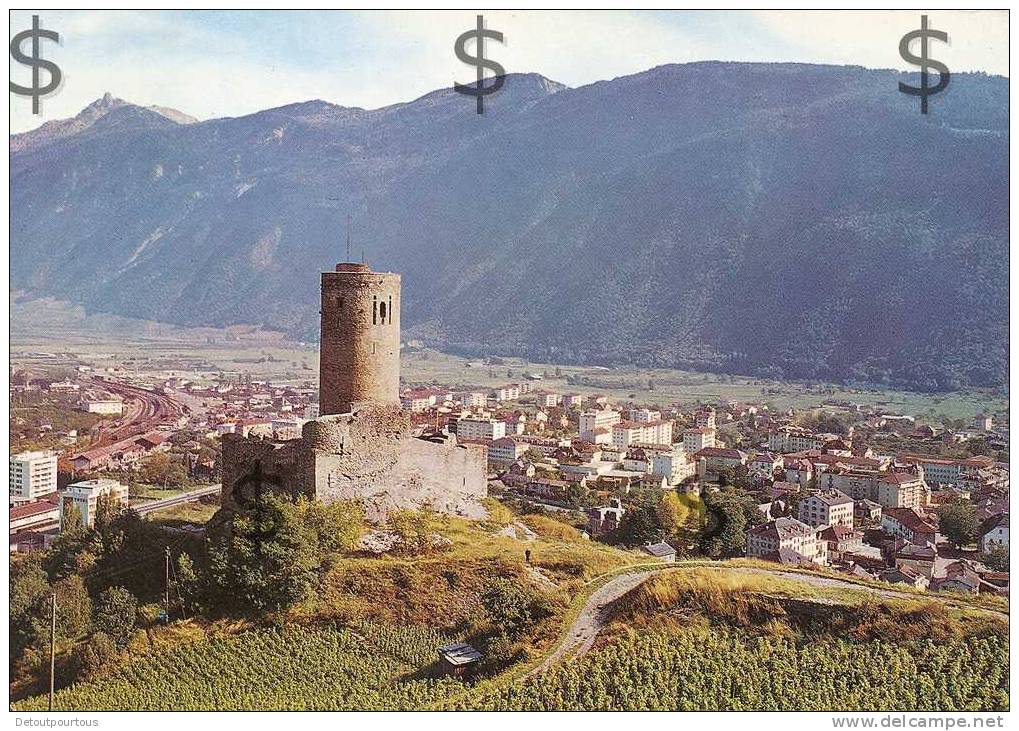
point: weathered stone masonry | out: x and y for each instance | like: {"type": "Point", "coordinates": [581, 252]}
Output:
{"type": "Point", "coordinates": [362, 447]}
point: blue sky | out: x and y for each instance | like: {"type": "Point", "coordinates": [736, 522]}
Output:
{"type": "Point", "coordinates": [229, 63]}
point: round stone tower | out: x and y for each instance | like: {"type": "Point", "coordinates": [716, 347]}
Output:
{"type": "Point", "coordinates": [360, 351]}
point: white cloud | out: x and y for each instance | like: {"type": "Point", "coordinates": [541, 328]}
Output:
{"type": "Point", "coordinates": [977, 39]}
{"type": "Point", "coordinates": [207, 67]}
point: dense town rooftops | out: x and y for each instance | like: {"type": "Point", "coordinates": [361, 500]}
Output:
{"type": "Point", "coordinates": [840, 533]}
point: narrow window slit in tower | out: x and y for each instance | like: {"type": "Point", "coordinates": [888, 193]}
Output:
{"type": "Point", "coordinates": [382, 313]}
{"type": "Point", "coordinates": [375, 310]}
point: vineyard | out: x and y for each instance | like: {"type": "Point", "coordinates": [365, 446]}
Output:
{"type": "Point", "coordinates": [692, 640]}
{"type": "Point", "coordinates": [291, 669]}
{"type": "Point", "coordinates": [372, 667]}
{"type": "Point", "coordinates": [697, 668]}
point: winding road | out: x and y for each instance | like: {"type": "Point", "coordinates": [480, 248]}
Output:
{"type": "Point", "coordinates": [596, 611]}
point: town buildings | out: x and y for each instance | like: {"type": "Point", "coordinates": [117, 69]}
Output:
{"type": "Point", "coordinates": [827, 508]}
{"type": "Point", "coordinates": [698, 438]}
{"type": "Point", "coordinates": [786, 540]}
{"type": "Point", "coordinates": [85, 496]}
{"type": "Point", "coordinates": [480, 429]}
{"type": "Point", "coordinates": [596, 425]}
{"type": "Point", "coordinates": [32, 475]}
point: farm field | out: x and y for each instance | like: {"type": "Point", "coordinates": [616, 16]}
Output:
{"type": "Point", "coordinates": [50, 336]}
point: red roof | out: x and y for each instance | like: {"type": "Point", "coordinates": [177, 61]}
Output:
{"type": "Point", "coordinates": [43, 505]}
{"type": "Point", "coordinates": [911, 519]}
{"type": "Point", "coordinates": [719, 452]}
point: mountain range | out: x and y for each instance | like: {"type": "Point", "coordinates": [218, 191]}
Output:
{"type": "Point", "coordinates": [787, 220]}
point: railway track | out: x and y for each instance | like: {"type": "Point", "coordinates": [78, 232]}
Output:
{"type": "Point", "coordinates": [143, 411]}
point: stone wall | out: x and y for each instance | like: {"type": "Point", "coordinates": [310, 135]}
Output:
{"type": "Point", "coordinates": [368, 455]}
{"type": "Point", "coordinates": [253, 464]}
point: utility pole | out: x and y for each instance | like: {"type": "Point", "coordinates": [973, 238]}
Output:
{"type": "Point", "coordinates": [53, 643]}
{"type": "Point", "coordinates": [167, 605]}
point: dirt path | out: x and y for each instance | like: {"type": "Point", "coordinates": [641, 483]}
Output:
{"type": "Point", "coordinates": [594, 616]}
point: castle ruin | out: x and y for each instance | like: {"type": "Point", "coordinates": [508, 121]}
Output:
{"type": "Point", "coordinates": [361, 447]}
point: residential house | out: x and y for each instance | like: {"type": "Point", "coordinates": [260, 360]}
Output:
{"type": "Point", "coordinates": [698, 438]}
{"type": "Point", "coordinates": [867, 511]}
{"type": "Point", "coordinates": [841, 540]}
{"type": "Point", "coordinates": [826, 508]}
{"type": "Point", "coordinates": [906, 576]}
{"type": "Point", "coordinates": [921, 559]}
{"type": "Point", "coordinates": [715, 459]}
{"type": "Point", "coordinates": [910, 524]}
{"type": "Point", "coordinates": [605, 519]}
{"type": "Point", "coordinates": [763, 465]}
{"type": "Point", "coordinates": [994, 532]}
{"type": "Point", "coordinates": [786, 534]}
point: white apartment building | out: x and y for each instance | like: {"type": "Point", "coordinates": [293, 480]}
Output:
{"type": "Point", "coordinates": [573, 400]}
{"type": "Point", "coordinates": [85, 496]}
{"type": "Point", "coordinates": [705, 418]}
{"type": "Point", "coordinates": [549, 400]}
{"type": "Point", "coordinates": [936, 470]}
{"type": "Point", "coordinates": [698, 438]}
{"type": "Point", "coordinates": [416, 403]}
{"type": "Point", "coordinates": [675, 466]}
{"type": "Point", "coordinates": [902, 490]}
{"type": "Point", "coordinates": [472, 399]}
{"type": "Point", "coordinates": [507, 449]}
{"type": "Point", "coordinates": [644, 416]}
{"type": "Point", "coordinates": [827, 508]}
{"type": "Point", "coordinates": [507, 393]}
{"type": "Point", "coordinates": [480, 429]}
{"type": "Point", "coordinates": [32, 474]}
{"type": "Point", "coordinates": [596, 425]}
{"type": "Point", "coordinates": [625, 433]}
{"type": "Point", "coordinates": [794, 439]}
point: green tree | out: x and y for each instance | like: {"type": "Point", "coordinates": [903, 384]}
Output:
{"type": "Point", "coordinates": [337, 526]}
{"type": "Point", "coordinates": [116, 614]}
{"type": "Point", "coordinates": [97, 653]}
{"type": "Point", "coordinates": [642, 522]}
{"type": "Point", "coordinates": [266, 557]}
{"type": "Point", "coordinates": [162, 470]}
{"type": "Point", "coordinates": [958, 522]}
{"type": "Point", "coordinates": [62, 558]}
{"type": "Point", "coordinates": [514, 608]}
{"type": "Point", "coordinates": [188, 584]}
{"type": "Point", "coordinates": [730, 514]}
{"type": "Point", "coordinates": [29, 591]}
{"type": "Point", "coordinates": [74, 608]}
{"type": "Point", "coordinates": [997, 557]}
